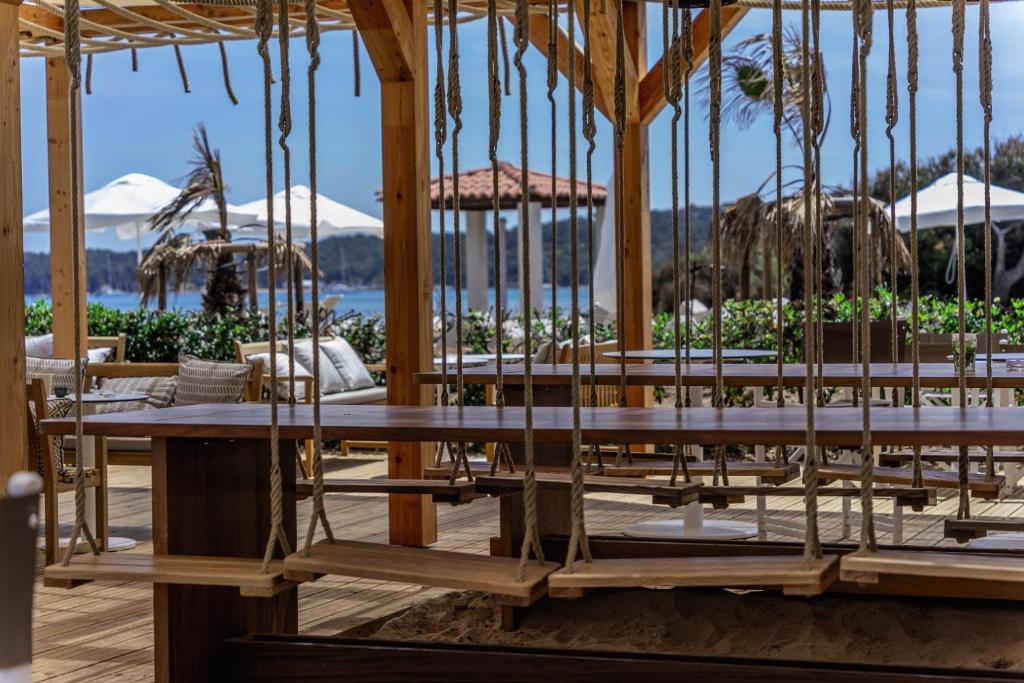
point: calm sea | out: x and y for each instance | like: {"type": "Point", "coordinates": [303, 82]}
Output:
{"type": "Point", "coordinates": [367, 301]}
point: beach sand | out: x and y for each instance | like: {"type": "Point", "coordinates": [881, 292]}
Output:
{"type": "Point", "coordinates": [723, 623]}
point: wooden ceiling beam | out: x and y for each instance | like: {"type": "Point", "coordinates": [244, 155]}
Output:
{"type": "Point", "coordinates": [539, 27]}
{"type": "Point", "coordinates": [652, 90]}
{"type": "Point", "coordinates": [603, 28]}
{"type": "Point", "coordinates": [386, 30]}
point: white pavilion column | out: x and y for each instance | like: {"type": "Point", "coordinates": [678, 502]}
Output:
{"type": "Point", "coordinates": [503, 256]}
{"type": "Point", "coordinates": [536, 260]}
{"type": "Point", "coordinates": [476, 260]}
{"type": "Point", "coordinates": [598, 221]}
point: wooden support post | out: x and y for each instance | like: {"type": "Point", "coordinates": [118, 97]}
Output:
{"type": "Point", "coordinates": [58, 135]}
{"type": "Point", "coordinates": [395, 35]}
{"type": "Point", "coordinates": [13, 456]}
{"type": "Point", "coordinates": [636, 204]}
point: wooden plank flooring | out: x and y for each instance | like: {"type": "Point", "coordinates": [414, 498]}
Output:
{"type": "Point", "coordinates": [104, 630]}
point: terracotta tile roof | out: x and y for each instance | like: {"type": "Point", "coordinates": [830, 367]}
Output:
{"type": "Point", "coordinates": [475, 185]}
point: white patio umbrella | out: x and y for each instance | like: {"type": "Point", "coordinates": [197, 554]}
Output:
{"type": "Point", "coordinates": [127, 203]}
{"type": "Point", "coordinates": [603, 286]}
{"type": "Point", "coordinates": [333, 218]}
{"type": "Point", "coordinates": [937, 207]}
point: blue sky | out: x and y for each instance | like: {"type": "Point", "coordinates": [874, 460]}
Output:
{"type": "Point", "coordinates": [140, 122]}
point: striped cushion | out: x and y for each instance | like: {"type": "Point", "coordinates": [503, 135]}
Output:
{"type": "Point", "coordinates": [55, 407]}
{"type": "Point", "coordinates": [159, 389]}
{"type": "Point", "coordinates": [206, 381]}
{"type": "Point", "coordinates": [60, 370]}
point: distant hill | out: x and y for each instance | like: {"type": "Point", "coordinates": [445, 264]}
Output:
{"type": "Point", "coordinates": [358, 261]}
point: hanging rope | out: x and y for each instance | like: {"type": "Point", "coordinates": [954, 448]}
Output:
{"type": "Point", "coordinates": [964, 507]}
{"type": "Point", "coordinates": [812, 545]}
{"type": "Point", "coordinates": [357, 78]}
{"type": "Point", "coordinates": [264, 28]}
{"type": "Point", "coordinates": [862, 18]}
{"type": "Point", "coordinates": [590, 133]}
{"type": "Point", "coordinates": [135, 60]}
{"type": "Point", "coordinates": [531, 535]}
{"type": "Point", "coordinates": [985, 95]}
{"type": "Point", "coordinates": [714, 124]}
{"type": "Point", "coordinates": [455, 111]}
{"type": "Point", "coordinates": [855, 190]}
{"type": "Point", "coordinates": [227, 73]}
{"type": "Point", "coordinates": [780, 387]}
{"type": "Point", "coordinates": [915, 287]}
{"type": "Point", "coordinates": [672, 85]}
{"type": "Point", "coordinates": [88, 74]}
{"type": "Point", "coordinates": [181, 69]}
{"type": "Point", "coordinates": [578, 533]}
{"type": "Point", "coordinates": [284, 125]}
{"type": "Point", "coordinates": [892, 115]}
{"type": "Point", "coordinates": [501, 449]}
{"type": "Point", "coordinates": [73, 60]}
{"type": "Point", "coordinates": [687, 293]}
{"type": "Point", "coordinates": [817, 137]}
{"type": "Point", "coordinates": [319, 513]}
{"type": "Point", "coordinates": [552, 64]}
{"type": "Point", "coordinates": [506, 73]}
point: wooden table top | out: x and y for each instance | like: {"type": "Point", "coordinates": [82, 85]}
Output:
{"type": "Point", "coordinates": [933, 375]}
{"type": "Point", "coordinates": [834, 426]}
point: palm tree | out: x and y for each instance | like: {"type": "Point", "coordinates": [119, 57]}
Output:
{"type": "Point", "coordinates": [204, 182]}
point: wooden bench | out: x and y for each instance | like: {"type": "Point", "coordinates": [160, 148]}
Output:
{"type": "Point", "coordinates": [721, 497]}
{"type": "Point", "coordinates": [978, 484]}
{"type": "Point", "coordinates": [663, 494]}
{"type": "Point", "coordinates": [964, 530]}
{"type": "Point", "coordinates": [769, 473]}
{"type": "Point", "coordinates": [870, 567]}
{"type": "Point", "coordinates": [457, 493]}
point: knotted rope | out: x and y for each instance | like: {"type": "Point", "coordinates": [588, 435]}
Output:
{"type": "Point", "coordinates": [180, 59]}
{"type": "Point", "coordinates": [73, 60]}
{"type": "Point", "coordinates": [687, 293]}
{"type": "Point", "coordinates": [964, 507]}
{"type": "Point", "coordinates": [284, 125]}
{"type": "Point", "coordinates": [552, 73]}
{"type": "Point", "coordinates": [313, 48]}
{"type": "Point", "coordinates": [777, 92]}
{"type": "Point", "coordinates": [501, 449]}
{"type": "Point", "coordinates": [227, 73]}
{"type": "Point", "coordinates": [862, 20]}
{"type": "Point", "coordinates": [531, 535]}
{"type": "Point", "coordinates": [578, 532]}
{"type": "Point", "coordinates": [915, 286]}
{"type": "Point", "coordinates": [985, 95]}
{"type": "Point", "coordinates": [264, 28]}
{"type": "Point", "coordinates": [892, 116]}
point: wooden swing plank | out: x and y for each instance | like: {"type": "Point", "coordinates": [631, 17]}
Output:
{"type": "Point", "coordinates": [933, 375]}
{"type": "Point", "coordinates": [978, 485]}
{"type": "Point", "coordinates": [777, 571]}
{"type": "Point", "coordinates": [553, 424]}
{"type": "Point", "coordinates": [236, 572]}
{"type": "Point", "coordinates": [680, 494]}
{"type": "Point", "coordinates": [441, 492]}
{"type": "Point", "coordinates": [964, 530]}
{"type": "Point", "coordinates": [425, 567]}
{"type": "Point", "coordinates": [721, 496]}
{"type": "Point", "coordinates": [897, 458]}
{"type": "Point", "coordinates": [866, 567]}
{"type": "Point", "coordinates": [769, 472]}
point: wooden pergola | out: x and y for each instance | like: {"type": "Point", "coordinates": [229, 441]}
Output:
{"type": "Point", "coordinates": [395, 35]}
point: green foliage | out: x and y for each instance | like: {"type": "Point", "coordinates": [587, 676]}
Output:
{"type": "Point", "coordinates": [38, 318]}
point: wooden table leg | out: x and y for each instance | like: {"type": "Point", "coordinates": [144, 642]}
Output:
{"type": "Point", "coordinates": [211, 497]}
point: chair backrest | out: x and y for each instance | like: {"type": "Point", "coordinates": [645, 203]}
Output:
{"type": "Point", "coordinates": [245, 349]}
{"type": "Point", "coordinates": [936, 347]}
{"type": "Point", "coordinates": [253, 388]}
{"type": "Point", "coordinates": [40, 448]}
{"type": "Point", "coordinates": [18, 528]}
{"type": "Point", "coordinates": [607, 395]}
{"type": "Point", "coordinates": [838, 342]}
{"type": "Point", "coordinates": [119, 343]}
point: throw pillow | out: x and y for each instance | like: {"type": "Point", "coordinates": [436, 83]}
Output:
{"type": "Point", "coordinates": [346, 361]}
{"type": "Point", "coordinates": [330, 380]}
{"type": "Point", "coordinates": [160, 391]}
{"type": "Point", "coordinates": [281, 359]}
{"type": "Point", "coordinates": [206, 381]}
{"type": "Point", "coordinates": [39, 347]}
{"type": "Point", "coordinates": [61, 371]}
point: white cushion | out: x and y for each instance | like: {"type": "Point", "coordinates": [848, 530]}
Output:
{"type": "Point", "coordinates": [39, 347]}
{"type": "Point", "coordinates": [359, 397]}
{"type": "Point", "coordinates": [281, 360]}
{"type": "Point", "coordinates": [350, 367]}
{"type": "Point", "coordinates": [330, 380]}
{"type": "Point", "coordinates": [100, 355]}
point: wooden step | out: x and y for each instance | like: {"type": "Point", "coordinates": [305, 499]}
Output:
{"type": "Point", "coordinates": [441, 492]}
{"type": "Point", "coordinates": [238, 572]}
{"type": "Point", "coordinates": [770, 473]}
{"type": "Point", "coordinates": [866, 567]}
{"type": "Point", "coordinates": [741, 571]}
{"type": "Point", "coordinates": [979, 486]}
{"type": "Point", "coordinates": [894, 459]}
{"type": "Point", "coordinates": [964, 530]}
{"type": "Point", "coordinates": [663, 494]}
{"type": "Point", "coordinates": [720, 497]}
{"type": "Point", "coordinates": [425, 567]}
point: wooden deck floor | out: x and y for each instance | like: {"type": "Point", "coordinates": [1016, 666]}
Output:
{"type": "Point", "coordinates": [104, 631]}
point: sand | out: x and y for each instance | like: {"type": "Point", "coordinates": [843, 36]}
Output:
{"type": "Point", "coordinates": [753, 624]}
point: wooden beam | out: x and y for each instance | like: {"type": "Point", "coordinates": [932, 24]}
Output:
{"type": "Point", "coordinates": [386, 27]}
{"type": "Point", "coordinates": [539, 26]}
{"type": "Point", "coordinates": [58, 134]}
{"type": "Point", "coordinates": [14, 454]}
{"type": "Point", "coordinates": [603, 28]}
{"type": "Point", "coordinates": [408, 276]}
{"type": "Point", "coordinates": [652, 90]}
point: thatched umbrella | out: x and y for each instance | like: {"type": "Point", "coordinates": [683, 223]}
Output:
{"type": "Point", "coordinates": [180, 255]}
{"type": "Point", "coordinates": [750, 220]}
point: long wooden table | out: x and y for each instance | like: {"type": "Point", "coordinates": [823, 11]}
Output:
{"type": "Point", "coordinates": [933, 375]}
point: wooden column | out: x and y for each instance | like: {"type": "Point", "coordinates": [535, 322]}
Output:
{"type": "Point", "coordinates": [13, 456]}
{"type": "Point", "coordinates": [636, 202]}
{"type": "Point", "coordinates": [58, 134]}
{"type": "Point", "coordinates": [395, 35]}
